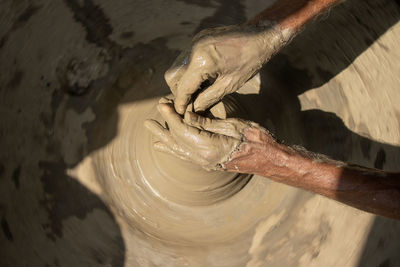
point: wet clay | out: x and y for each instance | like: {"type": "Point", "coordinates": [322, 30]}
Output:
{"type": "Point", "coordinates": [173, 200]}
{"type": "Point", "coordinates": [179, 208]}
{"type": "Point", "coordinates": [72, 189]}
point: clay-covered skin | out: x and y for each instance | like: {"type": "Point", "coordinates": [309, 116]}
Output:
{"type": "Point", "coordinates": [239, 146]}
{"type": "Point", "coordinates": [201, 140]}
{"type": "Point", "coordinates": [367, 189]}
{"type": "Point", "coordinates": [227, 56]}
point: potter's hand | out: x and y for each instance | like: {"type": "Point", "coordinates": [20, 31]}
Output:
{"type": "Point", "coordinates": [229, 56]}
{"type": "Point", "coordinates": [209, 143]}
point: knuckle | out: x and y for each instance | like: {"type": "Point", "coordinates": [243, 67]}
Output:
{"type": "Point", "coordinates": [169, 77]}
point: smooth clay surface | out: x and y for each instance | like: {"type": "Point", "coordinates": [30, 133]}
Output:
{"type": "Point", "coordinates": [81, 186]}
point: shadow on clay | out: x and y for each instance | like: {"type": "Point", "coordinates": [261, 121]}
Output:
{"type": "Point", "coordinates": [73, 226]}
{"type": "Point", "coordinates": [67, 198]}
{"type": "Point", "coordinates": [382, 244]}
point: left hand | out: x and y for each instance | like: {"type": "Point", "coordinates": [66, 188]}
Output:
{"type": "Point", "coordinates": [207, 142]}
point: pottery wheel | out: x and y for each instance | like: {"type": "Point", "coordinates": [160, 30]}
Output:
{"type": "Point", "coordinates": [174, 200]}
{"type": "Point", "coordinates": [80, 184]}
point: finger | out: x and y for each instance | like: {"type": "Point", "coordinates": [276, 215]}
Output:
{"type": "Point", "coordinates": [172, 118]}
{"type": "Point", "coordinates": [162, 147]}
{"type": "Point", "coordinates": [189, 107]}
{"type": "Point", "coordinates": [224, 127]}
{"type": "Point", "coordinates": [167, 141]}
{"type": "Point", "coordinates": [173, 150]}
{"type": "Point", "coordinates": [186, 134]}
{"type": "Point", "coordinates": [165, 100]}
{"type": "Point", "coordinates": [195, 120]}
{"type": "Point", "coordinates": [158, 130]}
{"type": "Point", "coordinates": [214, 93]}
{"type": "Point", "coordinates": [189, 83]}
{"type": "Point", "coordinates": [196, 145]}
{"type": "Point", "coordinates": [177, 69]}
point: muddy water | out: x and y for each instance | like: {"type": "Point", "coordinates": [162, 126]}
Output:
{"type": "Point", "coordinates": [78, 78]}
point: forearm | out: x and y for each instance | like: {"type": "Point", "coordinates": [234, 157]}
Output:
{"type": "Point", "coordinates": [293, 14]}
{"type": "Point", "coordinates": [366, 189]}
{"type": "Point", "coordinates": [277, 25]}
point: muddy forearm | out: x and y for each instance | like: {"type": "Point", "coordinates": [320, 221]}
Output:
{"type": "Point", "coordinates": [293, 14]}
{"type": "Point", "coordinates": [277, 25]}
{"type": "Point", "coordinates": [366, 189]}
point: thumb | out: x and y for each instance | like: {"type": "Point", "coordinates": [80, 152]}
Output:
{"type": "Point", "coordinates": [189, 83]}
{"type": "Point", "coordinates": [214, 93]}
{"type": "Point", "coordinates": [177, 69]}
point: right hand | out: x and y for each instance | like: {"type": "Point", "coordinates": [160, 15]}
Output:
{"type": "Point", "coordinates": [228, 55]}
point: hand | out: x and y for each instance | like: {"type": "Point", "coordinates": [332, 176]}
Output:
{"type": "Point", "coordinates": [229, 56]}
{"type": "Point", "coordinates": [207, 142]}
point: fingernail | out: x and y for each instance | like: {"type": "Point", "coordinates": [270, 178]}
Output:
{"type": "Point", "coordinates": [164, 100]}
{"type": "Point", "coordinates": [198, 107]}
{"type": "Point", "coordinates": [180, 109]}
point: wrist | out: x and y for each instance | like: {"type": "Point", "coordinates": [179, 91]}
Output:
{"type": "Point", "coordinates": [268, 38]}
{"type": "Point", "coordinates": [259, 153]}
{"type": "Point", "coordinates": [293, 14]}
